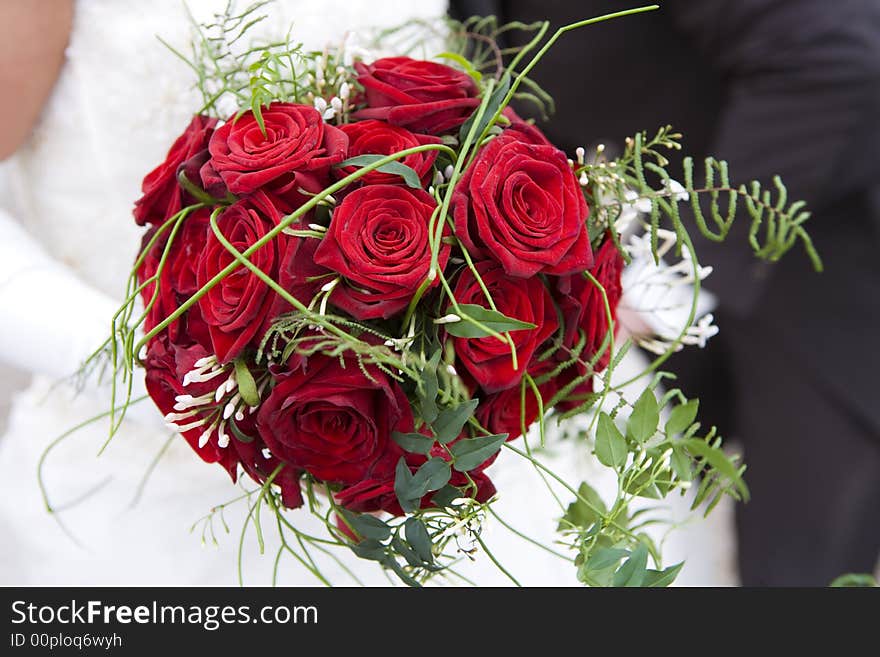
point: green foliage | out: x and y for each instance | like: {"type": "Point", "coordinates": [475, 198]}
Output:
{"type": "Point", "coordinates": [410, 177]}
{"type": "Point", "coordinates": [473, 452]}
{"type": "Point", "coordinates": [855, 580]}
{"type": "Point", "coordinates": [479, 322]}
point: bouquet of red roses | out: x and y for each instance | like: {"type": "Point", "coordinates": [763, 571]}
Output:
{"type": "Point", "coordinates": [370, 277]}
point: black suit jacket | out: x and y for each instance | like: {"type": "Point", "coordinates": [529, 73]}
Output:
{"type": "Point", "coordinates": [789, 87]}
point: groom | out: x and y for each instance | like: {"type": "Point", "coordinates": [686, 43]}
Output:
{"type": "Point", "coordinates": [788, 87]}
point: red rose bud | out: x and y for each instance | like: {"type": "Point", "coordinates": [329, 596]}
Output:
{"type": "Point", "coordinates": [583, 309]}
{"type": "Point", "coordinates": [237, 307]}
{"type": "Point", "coordinates": [379, 138]}
{"type": "Point", "coordinates": [296, 141]}
{"type": "Point", "coordinates": [335, 422]}
{"type": "Point", "coordinates": [162, 196]}
{"type": "Point", "coordinates": [520, 204]}
{"type": "Point", "coordinates": [418, 95]}
{"type": "Point", "coordinates": [378, 243]}
{"type": "Point", "coordinates": [488, 359]}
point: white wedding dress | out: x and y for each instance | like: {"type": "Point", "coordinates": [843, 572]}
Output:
{"type": "Point", "coordinates": [120, 101]}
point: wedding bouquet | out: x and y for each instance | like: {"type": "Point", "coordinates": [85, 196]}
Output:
{"type": "Point", "coordinates": [365, 280]}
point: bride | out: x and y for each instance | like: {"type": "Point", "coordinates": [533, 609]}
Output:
{"type": "Point", "coordinates": [67, 241]}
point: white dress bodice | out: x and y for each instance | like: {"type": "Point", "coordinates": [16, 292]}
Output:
{"type": "Point", "coordinates": [120, 101]}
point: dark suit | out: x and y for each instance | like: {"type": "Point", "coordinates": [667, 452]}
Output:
{"type": "Point", "coordinates": [772, 86]}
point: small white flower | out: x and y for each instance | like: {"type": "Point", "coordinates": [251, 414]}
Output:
{"type": "Point", "coordinates": [677, 190]}
{"type": "Point", "coordinates": [451, 318]}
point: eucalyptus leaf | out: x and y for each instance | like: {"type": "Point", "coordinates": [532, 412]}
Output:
{"type": "Point", "coordinates": [417, 536]}
{"type": "Point", "coordinates": [611, 447]}
{"type": "Point", "coordinates": [367, 526]}
{"type": "Point", "coordinates": [247, 387]}
{"type": "Point", "coordinates": [430, 387]}
{"type": "Point", "coordinates": [681, 417]}
{"type": "Point", "coordinates": [433, 474]}
{"type": "Point", "coordinates": [491, 319]}
{"type": "Point", "coordinates": [414, 443]}
{"type": "Point", "coordinates": [450, 421]}
{"type": "Point", "coordinates": [445, 496]}
{"type": "Point", "coordinates": [406, 552]}
{"type": "Point", "coordinates": [410, 177]}
{"type": "Point", "coordinates": [633, 570]}
{"type": "Point", "coordinates": [470, 453]}
{"type": "Point", "coordinates": [645, 417]}
{"type": "Point", "coordinates": [369, 549]}
{"type": "Point", "coordinates": [406, 492]}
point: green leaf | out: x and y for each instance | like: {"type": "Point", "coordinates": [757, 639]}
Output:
{"type": "Point", "coordinates": [662, 578]}
{"type": "Point", "coordinates": [645, 417]}
{"type": "Point", "coordinates": [417, 536]}
{"type": "Point", "coordinates": [238, 433]}
{"type": "Point", "coordinates": [369, 549]}
{"type": "Point", "coordinates": [430, 387]}
{"type": "Point", "coordinates": [406, 552]}
{"type": "Point", "coordinates": [434, 474]}
{"type": "Point", "coordinates": [492, 106]}
{"type": "Point", "coordinates": [491, 319]}
{"type": "Point", "coordinates": [246, 384]}
{"type": "Point", "coordinates": [473, 452]}
{"type": "Point", "coordinates": [410, 488]}
{"type": "Point", "coordinates": [605, 558]}
{"type": "Point", "coordinates": [681, 417]}
{"type": "Point", "coordinates": [464, 63]}
{"type": "Point", "coordinates": [366, 525]}
{"type": "Point", "coordinates": [719, 461]}
{"type": "Point", "coordinates": [445, 496]}
{"type": "Point", "coordinates": [681, 464]}
{"type": "Point", "coordinates": [415, 443]}
{"type": "Point", "coordinates": [633, 570]}
{"type": "Point", "coordinates": [450, 421]}
{"type": "Point", "coordinates": [854, 580]}
{"type": "Point", "coordinates": [410, 177]}
{"type": "Point", "coordinates": [610, 444]}
{"type": "Point", "coordinates": [580, 514]}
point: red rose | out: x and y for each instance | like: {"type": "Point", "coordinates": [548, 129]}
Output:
{"type": "Point", "coordinates": [334, 421]}
{"type": "Point", "coordinates": [501, 412]}
{"type": "Point", "coordinates": [583, 310]}
{"type": "Point", "coordinates": [378, 243]}
{"type": "Point", "coordinates": [419, 95]}
{"type": "Point", "coordinates": [259, 463]}
{"type": "Point", "coordinates": [163, 197]}
{"type": "Point", "coordinates": [520, 204]}
{"type": "Point", "coordinates": [237, 307]}
{"type": "Point", "coordinates": [524, 130]}
{"type": "Point", "coordinates": [297, 144]}
{"type": "Point", "coordinates": [487, 359]}
{"type": "Point", "coordinates": [379, 138]}
{"type": "Point", "coordinates": [177, 281]}
{"type": "Point", "coordinates": [166, 365]}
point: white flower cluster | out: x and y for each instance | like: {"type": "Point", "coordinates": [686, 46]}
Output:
{"type": "Point", "coordinates": [202, 410]}
{"type": "Point", "coordinates": [660, 296]}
